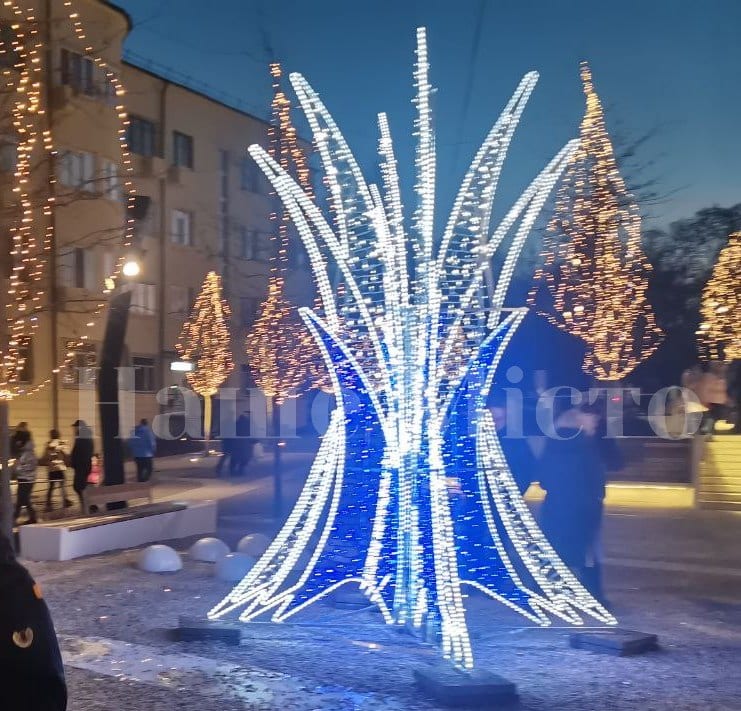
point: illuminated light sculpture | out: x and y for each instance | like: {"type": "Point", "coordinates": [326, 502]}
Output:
{"type": "Point", "coordinates": [594, 275]}
{"type": "Point", "coordinates": [720, 332]}
{"type": "Point", "coordinates": [376, 510]}
{"type": "Point", "coordinates": [204, 341]}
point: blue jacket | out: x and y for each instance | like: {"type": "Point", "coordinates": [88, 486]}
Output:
{"type": "Point", "coordinates": [142, 442]}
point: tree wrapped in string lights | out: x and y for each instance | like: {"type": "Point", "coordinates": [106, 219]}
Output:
{"type": "Point", "coordinates": [26, 253]}
{"type": "Point", "coordinates": [282, 355]}
{"type": "Point", "coordinates": [720, 331]}
{"type": "Point", "coordinates": [375, 511]}
{"type": "Point", "coordinates": [204, 342]}
{"type": "Point", "coordinates": [594, 276]}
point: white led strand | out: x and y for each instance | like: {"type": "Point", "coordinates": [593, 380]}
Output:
{"type": "Point", "coordinates": [408, 326]}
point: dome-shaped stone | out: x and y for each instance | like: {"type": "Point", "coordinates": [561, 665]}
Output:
{"type": "Point", "coordinates": [233, 567]}
{"type": "Point", "coordinates": [253, 544]}
{"type": "Point", "coordinates": [159, 559]}
{"type": "Point", "coordinates": [208, 550]}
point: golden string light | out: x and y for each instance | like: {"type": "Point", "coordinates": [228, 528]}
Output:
{"type": "Point", "coordinates": [28, 269]}
{"type": "Point", "coordinates": [720, 333]}
{"type": "Point", "coordinates": [594, 275]}
{"type": "Point", "coordinates": [204, 342]}
{"type": "Point", "coordinates": [282, 355]}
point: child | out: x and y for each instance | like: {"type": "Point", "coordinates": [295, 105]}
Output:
{"type": "Point", "coordinates": [94, 476]}
{"type": "Point", "coordinates": [55, 457]}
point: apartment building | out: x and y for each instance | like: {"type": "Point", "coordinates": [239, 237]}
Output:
{"type": "Point", "coordinates": [200, 204]}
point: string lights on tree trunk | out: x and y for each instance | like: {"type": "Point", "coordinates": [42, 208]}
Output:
{"type": "Point", "coordinates": [31, 228]}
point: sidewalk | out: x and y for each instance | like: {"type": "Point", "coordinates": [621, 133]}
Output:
{"type": "Point", "coordinates": [193, 476]}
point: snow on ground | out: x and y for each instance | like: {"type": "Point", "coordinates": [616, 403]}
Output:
{"type": "Point", "coordinates": [115, 625]}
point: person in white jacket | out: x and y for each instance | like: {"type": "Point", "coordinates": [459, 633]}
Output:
{"type": "Point", "coordinates": [25, 472]}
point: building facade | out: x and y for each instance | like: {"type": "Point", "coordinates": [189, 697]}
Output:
{"type": "Point", "coordinates": [185, 194]}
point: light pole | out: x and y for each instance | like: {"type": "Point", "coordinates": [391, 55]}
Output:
{"type": "Point", "coordinates": [110, 361]}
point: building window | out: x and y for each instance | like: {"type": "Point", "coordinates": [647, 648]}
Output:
{"type": "Point", "coordinates": [84, 76]}
{"type": "Point", "coordinates": [248, 308]}
{"type": "Point", "coordinates": [251, 177]}
{"type": "Point", "coordinates": [179, 299]}
{"type": "Point", "coordinates": [111, 183]}
{"type": "Point", "coordinates": [296, 254]}
{"type": "Point", "coordinates": [79, 370]}
{"type": "Point", "coordinates": [25, 354]}
{"type": "Point", "coordinates": [8, 154]}
{"type": "Point", "coordinates": [182, 149]}
{"type": "Point", "coordinates": [143, 299]}
{"type": "Point", "coordinates": [77, 170]}
{"type": "Point", "coordinates": [8, 55]}
{"type": "Point", "coordinates": [142, 136]}
{"type": "Point", "coordinates": [78, 72]}
{"type": "Point", "coordinates": [77, 269]}
{"type": "Point", "coordinates": [246, 243]}
{"type": "Point", "coordinates": [182, 228]}
{"type": "Point", "coordinates": [143, 374]}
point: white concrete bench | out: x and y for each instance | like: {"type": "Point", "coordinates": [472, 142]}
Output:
{"type": "Point", "coordinates": [126, 528]}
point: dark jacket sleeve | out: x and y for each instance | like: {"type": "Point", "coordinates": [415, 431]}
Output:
{"type": "Point", "coordinates": [31, 671]}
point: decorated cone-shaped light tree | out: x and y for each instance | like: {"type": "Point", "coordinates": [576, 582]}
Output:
{"type": "Point", "coordinates": [281, 352]}
{"type": "Point", "coordinates": [282, 355]}
{"type": "Point", "coordinates": [594, 276]}
{"type": "Point", "coordinates": [204, 342]}
{"type": "Point", "coordinates": [719, 334]}
{"type": "Point", "coordinates": [375, 511]}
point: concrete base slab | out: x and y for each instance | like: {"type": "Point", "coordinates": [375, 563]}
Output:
{"type": "Point", "coordinates": [65, 542]}
{"type": "Point", "coordinates": [349, 599]}
{"type": "Point", "coordinates": [476, 689]}
{"type": "Point", "coordinates": [195, 629]}
{"type": "Point", "coordinates": [617, 642]}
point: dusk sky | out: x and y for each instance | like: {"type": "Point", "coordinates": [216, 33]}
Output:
{"type": "Point", "coordinates": [668, 65]}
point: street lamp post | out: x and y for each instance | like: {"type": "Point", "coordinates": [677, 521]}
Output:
{"type": "Point", "coordinates": [110, 362]}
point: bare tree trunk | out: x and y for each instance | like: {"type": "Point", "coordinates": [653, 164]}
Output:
{"type": "Point", "coordinates": [6, 498]}
{"type": "Point", "coordinates": [207, 425]}
{"type": "Point", "coordinates": [274, 429]}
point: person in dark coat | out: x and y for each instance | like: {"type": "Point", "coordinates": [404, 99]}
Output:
{"type": "Point", "coordinates": [31, 671]}
{"type": "Point", "coordinates": [734, 392]}
{"type": "Point", "coordinates": [573, 474]}
{"type": "Point", "coordinates": [81, 457]}
{"type": "Point", "coordinates": [242, 446]}
{"type": "Point", "coordinates": [17, 439]}
{"type": "Point", "coordinates": [516, 448]}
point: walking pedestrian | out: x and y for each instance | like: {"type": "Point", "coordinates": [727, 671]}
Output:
{"type": "Point", "coordinates": [714, 395]}
{"type": "Point", "coordinates": [25, 473]}
{"type": "Point", "coordinates": [242, 446]}
{"type": "Point", "coordinates": [573, 475]}
{"type": "Point", "coordinates": [56, 457]}
{"type": "Point", "coordinates": [81, 458]}
{"type": "Point", "coordinates": [31, 671]}
{"type": "Point", "coordinates": [143, 446]}
{"type": "Point", "coordinates": [516, 448]}
{"type": "Point", "coordinates": [15, 446]}
{"type": "Point", "coordinates": [734, 392]}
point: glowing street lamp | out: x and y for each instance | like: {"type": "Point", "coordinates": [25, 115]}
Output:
{"type": "Point", "coordinates": [131, 267]}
